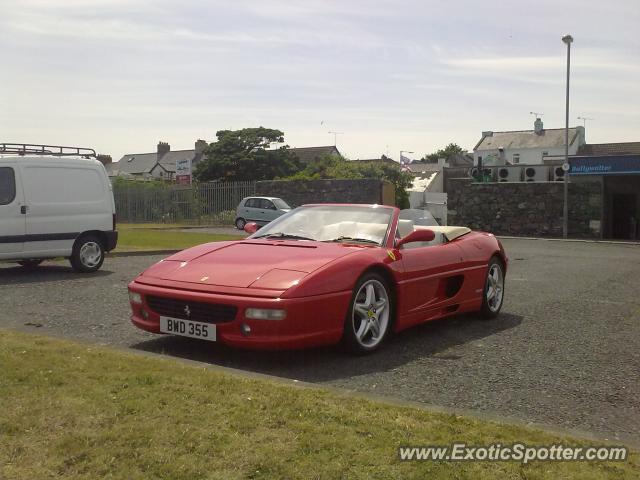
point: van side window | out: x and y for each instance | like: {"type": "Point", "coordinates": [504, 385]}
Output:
{"type": "Point", "coordinates": [7, 185]}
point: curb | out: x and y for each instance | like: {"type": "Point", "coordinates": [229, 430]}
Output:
{"type": "Point", "coordinates": [141, 253]}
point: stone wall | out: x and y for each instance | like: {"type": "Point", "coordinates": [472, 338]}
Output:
{"type": "Point", "coordinates": [526, 208]}
{"type": "Point", "coordinates": [299, 192]}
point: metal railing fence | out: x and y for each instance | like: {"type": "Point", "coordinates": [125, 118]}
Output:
{"type": "Point", "coordinates": [206, 203]}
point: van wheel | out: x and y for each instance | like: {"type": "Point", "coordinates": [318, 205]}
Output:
{"type": "Point", "coordinates": [87, 255]}
{"type": "Point", "coordinates": [240, 223]}
{"type": "Point", "coordinates": [30, 263]}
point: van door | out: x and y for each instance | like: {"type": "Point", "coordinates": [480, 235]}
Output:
{"type": "Point", "coordinates": [12, 219]}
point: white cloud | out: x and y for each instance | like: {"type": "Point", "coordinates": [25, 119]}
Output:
{"type": "Point", "coordinates": [404, 73]}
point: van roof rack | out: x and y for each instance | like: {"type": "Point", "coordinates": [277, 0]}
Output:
{"type": "Point", "coordinates": [57, 150]}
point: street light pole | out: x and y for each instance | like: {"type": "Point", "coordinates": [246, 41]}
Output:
{"type": "Point", "coordinates": [567, 39]}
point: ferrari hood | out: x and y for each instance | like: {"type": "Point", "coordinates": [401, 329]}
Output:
{"type": "Point", "coordinates": [259, 263]}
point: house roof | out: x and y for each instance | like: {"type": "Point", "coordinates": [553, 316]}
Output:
{"type": "Point", "coordinates": [168, 160]}
{"type": "Point", "coordinates": [138, 163]}
{"type": "Point", "coordinates": [423, 167]}
{"type": "Point", "coordinates": [461, 160]}
{"type": "Point", "coordinates": [310, 154]}
{"type": "Point", "coordinates": [383, 159]}
{"type": "Point", "coordinates": [550, 138]}
{"type": "Point", "coordinates": [421, 183]}
{"type": "Point", "coordinates": [623, 148]}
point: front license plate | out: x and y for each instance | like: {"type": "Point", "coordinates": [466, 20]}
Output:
{"type": "Point", "coordinates": [188, 328]}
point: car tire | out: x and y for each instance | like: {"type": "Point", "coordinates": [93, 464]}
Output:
{"type": "Point", "coordinates": [370, 315]}
{"type": "Point", "coordinates": [87, 255]}
{"type": "Point", "coordinates": [30, 262]}
{"type": "Point", "coordinates": [493, 292]}
{"type": "Point", "coordinates": [240, 223]}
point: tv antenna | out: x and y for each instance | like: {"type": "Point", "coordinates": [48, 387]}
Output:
{"type": "Point", "coordinates": [584, 120]}
{"type": "Point", "coordinates": [536, 114]}
{"type": "Point", "coordinates": [335, 137]}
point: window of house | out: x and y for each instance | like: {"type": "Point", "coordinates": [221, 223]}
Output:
{"type": "Point", "coordinates": [7, 185]}
{"type": "Point", "coordinates": [516, 158]}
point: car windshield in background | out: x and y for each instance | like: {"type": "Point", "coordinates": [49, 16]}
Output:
{"type": "Point", "coordinates": [281, 204]}
{"type": "Point", "coordinates": [327, 223]}
{"type": "Point", "coordinates": [419, 217]}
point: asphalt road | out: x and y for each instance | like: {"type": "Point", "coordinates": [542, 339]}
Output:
{"type": "Point", "coordinates": [565, 350]}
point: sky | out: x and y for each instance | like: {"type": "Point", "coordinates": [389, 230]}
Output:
{"type": "Point", "coordinates": [120, 75]}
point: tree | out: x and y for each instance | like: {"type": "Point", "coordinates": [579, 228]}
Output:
{"type": "Point", "coordinates": [246, 155]}
{"type": "Point", "coordinates": [334, 166]}
{"type": "Point", "coordinates": [447, 152]}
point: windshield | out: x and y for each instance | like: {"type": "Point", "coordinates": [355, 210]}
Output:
{"type": "Point", "coordinates": [281, 204]}
{"type": "Point", "coordinates": [331, 223]}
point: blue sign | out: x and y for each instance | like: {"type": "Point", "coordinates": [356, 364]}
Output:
{"type": "Point", "coordinates": [605, 165]}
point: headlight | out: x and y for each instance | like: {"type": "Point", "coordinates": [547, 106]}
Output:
{"type": "Point", "coordinates": [135, 297]}
{"type": "Point", "coordinates": [265, 314]}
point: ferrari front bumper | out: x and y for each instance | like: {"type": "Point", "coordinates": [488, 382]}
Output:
{"type": "Point", "coordinates": [310, 321]}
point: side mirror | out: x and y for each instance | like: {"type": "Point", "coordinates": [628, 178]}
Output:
{"type": "Point", "coordinates": [251, 228]}
{"type": "Point", "coordinates": [422, 235]}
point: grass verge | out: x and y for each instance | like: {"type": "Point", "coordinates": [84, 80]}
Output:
{"type": "Point", "coordinates": [134, 238]}
{"type": "Point", "coordinates": [77, 411]}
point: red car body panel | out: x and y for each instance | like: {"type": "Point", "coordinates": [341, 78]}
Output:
{"type": "Point", "coordinates": [314, 282]}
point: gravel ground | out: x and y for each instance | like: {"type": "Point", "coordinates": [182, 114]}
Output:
{"type": "Point", "coordinates": [565, 350]}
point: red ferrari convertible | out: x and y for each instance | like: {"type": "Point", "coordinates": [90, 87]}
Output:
{"type": "Point", "coordinates": [323, 274]}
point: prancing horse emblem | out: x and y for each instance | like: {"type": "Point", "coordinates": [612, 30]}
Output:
{"type": "Point", "coordinates": [187, 311]}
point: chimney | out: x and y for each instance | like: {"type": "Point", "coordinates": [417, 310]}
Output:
{"type": "Point", "coordinates": [163, 147]}
{"type": "Point", "coordinates": [200, 146]}
{"type": "Point", "coordinates": [537, 126]}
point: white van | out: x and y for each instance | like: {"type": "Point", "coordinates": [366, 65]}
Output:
{"type": "Point", "coordinates": [55, 202]}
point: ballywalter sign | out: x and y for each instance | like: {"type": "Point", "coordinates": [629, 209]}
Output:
{"type": "Point", "coordinates": [605, 165]}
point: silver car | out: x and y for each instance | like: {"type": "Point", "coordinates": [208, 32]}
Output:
{"type": "Point", "coordinates": [260, 210]}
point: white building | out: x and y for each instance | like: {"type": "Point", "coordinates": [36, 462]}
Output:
{"type": "Point", "coordinates": [527, 147]}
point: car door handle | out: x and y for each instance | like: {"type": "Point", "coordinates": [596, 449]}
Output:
{"type": "Point", "coordinates": [24, 209]}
